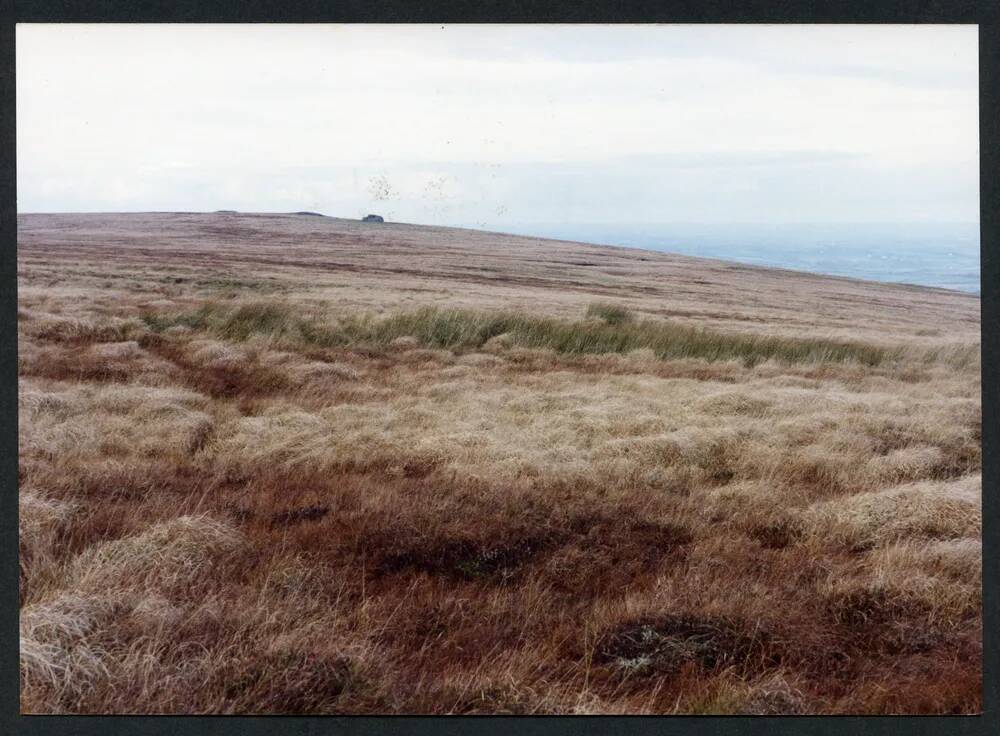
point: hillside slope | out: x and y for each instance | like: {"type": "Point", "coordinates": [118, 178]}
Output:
{"type": "Point", "coordinates": [291, 464]}
{"type": "Point", "coordinates": [357, 263]}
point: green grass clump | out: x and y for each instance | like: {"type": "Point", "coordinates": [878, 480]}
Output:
{"type": "Point", "coordinates": [613, 314]}
{"type": "Point", "coordinates": [958, 356]}
{"type": "Point", "coordinates": [256, 318]}
{"type": "Point", "coordinates": [458, 329]}
{"type": "Point", "coordinates": [158, 322]}
{"type": "Point", "coordinates": [461, 329]}
{"type": "Point", "coordinates": [252, 319]}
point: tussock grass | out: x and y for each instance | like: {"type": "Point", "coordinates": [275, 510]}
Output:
{"type": "Point", "coordinates": [455, 329]}
{"type": "Point", "coordinates": [40, 521]}
{"type": "Point", "coordinates": [613, 314]}
{"type": "Point", "coordinates": [960, 356]}
{"type": "Point", "coordinates": [461, 329]}
{"type": "Point", "coordinates": [931, 510]}
{"type": "Point", "coordinates": [59, 652]}
{"type": "Point", "coordinates": [175, 553]}
{"type": "Point", "coordinates": [337, 502]}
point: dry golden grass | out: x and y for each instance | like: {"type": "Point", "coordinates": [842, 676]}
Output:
{"type": "Point", "coordinates": [277, 464]}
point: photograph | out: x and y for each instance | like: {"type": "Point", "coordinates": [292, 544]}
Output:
{"type": "Point", "coordinates": [499, 369]}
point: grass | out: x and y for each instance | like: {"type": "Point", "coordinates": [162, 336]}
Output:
{"type": "Point", "coordinates": [347, 502]}
{"type": "Point", "coordinates": [455, 329]}
{"type": "Point", "coordinates": [613, 314]}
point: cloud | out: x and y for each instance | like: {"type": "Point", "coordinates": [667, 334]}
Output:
{"type": "Point", "coordinates": [490, 123]}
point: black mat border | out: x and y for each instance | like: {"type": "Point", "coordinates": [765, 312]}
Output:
{"type": "Point", "coordinates": [986, 14]}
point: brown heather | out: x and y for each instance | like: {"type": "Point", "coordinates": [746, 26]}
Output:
{"type": "Point", "coordinates": [279, 464]}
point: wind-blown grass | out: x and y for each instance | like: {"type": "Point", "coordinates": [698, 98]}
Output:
{"type": "Point", "coordinates": [331, 502]}
{"type": "Point", "coordinates": [613, 314]}
{"type": "Point", "coordinates": [461, 329]}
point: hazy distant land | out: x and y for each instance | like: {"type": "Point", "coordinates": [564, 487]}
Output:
{"type": "Point", "coordinates": [943, 255]}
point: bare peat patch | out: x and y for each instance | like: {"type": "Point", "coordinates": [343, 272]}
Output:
{"type": "Point", "coordinates": [664, 645]}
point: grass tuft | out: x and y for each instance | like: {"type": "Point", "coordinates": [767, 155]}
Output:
{"type": "Point", "coordinates": [613, 314]}
{"type": "Point", "coordinates": [333, 502]}
{"type": "Point", "coordinates": [462, 329]}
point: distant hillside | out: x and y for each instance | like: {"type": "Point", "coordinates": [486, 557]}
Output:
{"type": "Point", "coordinates": [347, 259]}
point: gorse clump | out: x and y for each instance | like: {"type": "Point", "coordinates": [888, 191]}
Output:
{"type": "Point", "coordinates": [463, 329]}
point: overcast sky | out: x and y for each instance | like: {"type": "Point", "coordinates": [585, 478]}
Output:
{"type": "Point", "coordinates": [495, 125]}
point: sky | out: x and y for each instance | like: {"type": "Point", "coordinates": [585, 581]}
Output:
{"type": "Point", "coordinates": [494, 126]}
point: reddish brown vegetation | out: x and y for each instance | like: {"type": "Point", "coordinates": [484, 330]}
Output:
{"type": "Point", "coordinates": [258, 524]}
